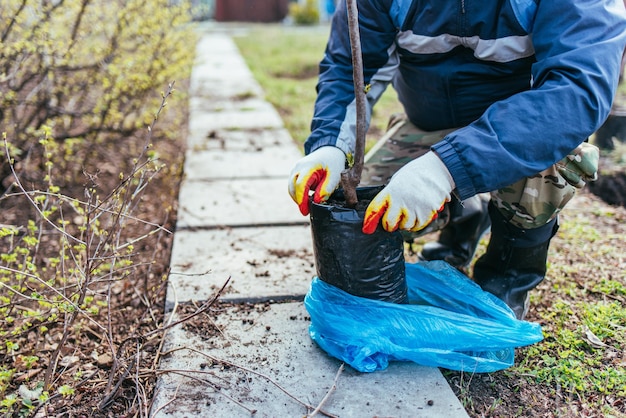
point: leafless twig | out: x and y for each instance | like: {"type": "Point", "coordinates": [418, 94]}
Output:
{"type": "Point", "coordinates": [269, 379]}
{"type": "Point", "coordinates": [205, 306]}
{"type": "Point", "coordinates": [187, 373]}
{"type": "Point", "coordinates": [330, 391]}
{"type": "Point", "coordinates": [112, 388]}
{"type": "Point", "coordinates": [35, 206]}
{"type": "Point", "coordinates": [168, 402]}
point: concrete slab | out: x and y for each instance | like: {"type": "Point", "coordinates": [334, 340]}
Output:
{"type": "Point", "coordinates": [220, 45]}
{"type": "Point", "coordinates": [262, 263]}
{"type": "Point", "coordinates": [261, 358]}
{"type": "Point", "coordinates": [220, 88]}
{"type": "Point", "coordinates": [237, 202]}
{"type": "Point", "coordinates": [220, 71]}
{"type": "Point", "coordinates": [245, 140]}
{"type": "Point", "coordinates": [263, 163]}
{"type": "Point", "coordinates": [243, 114]}
{"type": "Point", "coordinates": [252, 156]}
{"type": "Point", "coordinates": [199, 106]}
{"type": "Point", "coordinates": [227, 66]}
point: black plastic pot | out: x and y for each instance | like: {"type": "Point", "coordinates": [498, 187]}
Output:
{"type": "Point", "coordinates": [369, 266]}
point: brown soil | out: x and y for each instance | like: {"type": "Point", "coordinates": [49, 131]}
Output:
{"type": "Point", "coordinates": [611, 183]}
{"type": "Point", "coordinates": [300, 74]}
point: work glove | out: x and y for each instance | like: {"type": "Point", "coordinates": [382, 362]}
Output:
{"type": "Point", "coordinates": [319, 171]}
{"type": "Point", "coordinates": [413, 197]}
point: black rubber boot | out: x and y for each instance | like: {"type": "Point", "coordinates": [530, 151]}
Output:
{"type": "Point", "coordinates": [515, 261]}
{"type": "Point", "coordinates": [457, 243]}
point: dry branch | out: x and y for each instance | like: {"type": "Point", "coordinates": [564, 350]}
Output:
{"type": "Point", "coordinates": [330, 391]}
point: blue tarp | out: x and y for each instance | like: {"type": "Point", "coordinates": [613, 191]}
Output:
{"type": "Point", "coordinates": [450, 322]}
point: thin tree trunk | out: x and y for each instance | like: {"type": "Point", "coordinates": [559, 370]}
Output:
{"type": "Point", "coordinates": [351, 177]}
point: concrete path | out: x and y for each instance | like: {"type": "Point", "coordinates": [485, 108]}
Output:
{"type": "Point", "coordinates": [251, 353]}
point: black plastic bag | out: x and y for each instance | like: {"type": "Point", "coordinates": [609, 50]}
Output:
{"type": "Point", "coordinates": [369, 266]}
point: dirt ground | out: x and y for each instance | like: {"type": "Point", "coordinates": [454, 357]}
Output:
{"type": "Point", "coordinates": [505, 394]}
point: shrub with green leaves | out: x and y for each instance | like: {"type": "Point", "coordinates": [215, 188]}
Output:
{"type": "Point", "coordinates": [89, 70]}
{"type": "Point", "coordinates": [79, 99]}
{"type": "Point", "coordinates": [57, 272]}
{"type": "Point", "coordinates": [305, 14]}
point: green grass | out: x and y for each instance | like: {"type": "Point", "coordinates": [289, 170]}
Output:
{"type": "Point", "coordinates": [284, 60]}
{"type": "Point", "coordinates": [584, 326]}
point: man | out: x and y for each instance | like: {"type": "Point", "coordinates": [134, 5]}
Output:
{"type": "Point", "coordinates": [515, 87]}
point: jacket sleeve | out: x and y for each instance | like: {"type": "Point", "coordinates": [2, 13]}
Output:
{"type": "Point", "coordinates": [334, 119]}
{"type": "Point", "coordinates": [578, 46]}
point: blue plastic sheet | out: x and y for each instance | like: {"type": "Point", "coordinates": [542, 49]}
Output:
{"type": "Point", "coordinates": [450, 322]}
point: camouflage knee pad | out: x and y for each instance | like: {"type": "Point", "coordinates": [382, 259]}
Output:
{"type": "Point", "coordinates": [534, 201]}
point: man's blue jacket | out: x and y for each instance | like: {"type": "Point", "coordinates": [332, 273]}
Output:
{"type": "Point", "coordinates": [525, 80]}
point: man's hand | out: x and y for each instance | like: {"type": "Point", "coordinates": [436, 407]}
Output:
{"type": "Point", "coordinates": [319, 171]}
{"type": "Point", "coordinates": [413, 197]}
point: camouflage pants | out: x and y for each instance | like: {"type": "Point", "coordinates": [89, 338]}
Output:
{"type": "Point", "coordinates": [529, 203]}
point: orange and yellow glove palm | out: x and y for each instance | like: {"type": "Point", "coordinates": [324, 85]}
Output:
{"type": "Point", "coordinates": [413, 198]}
{"type": "Point", "coordinates": [319, 171]}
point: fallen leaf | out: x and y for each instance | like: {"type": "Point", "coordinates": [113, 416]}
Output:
{"type": "Point", "coordinates": [594, 340]}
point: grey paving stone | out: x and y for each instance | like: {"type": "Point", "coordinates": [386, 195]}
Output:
{"type": "Point", "coordinates": [236, 202]}
{"type": "Point", "coordinates": [200, 106]}
{"type": "Point", "coordinates": [217, 47]}
{"type": "Point", "coordinates": [208, 73]}
{"type": "Point", "coordinates": [207, 116]}
{"type": "Point", "coordinates": [228, 156]}
{"type": "Point", "coordinates": [245, 140]}
{"type": "Point", "coordinates": [262, 263]}
{"type": "Point", "coordinates": [262, 351]}
{"type": "Point", "coordinates": [211, 67]}
{"type": "Point", "coordinates": [220, 71]}
{"type": "Point", "coordinates": [264, 163]}
{"type": "Point", "coordinates": [219, 88]}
